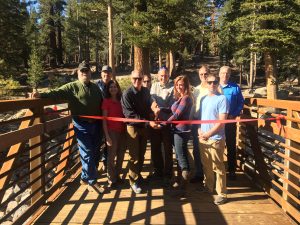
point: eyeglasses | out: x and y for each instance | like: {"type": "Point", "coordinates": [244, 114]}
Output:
{"type": "Point", "coordinates": [215, 82]}
{"type": "Point", "coordinates": [146, 81]}
{"type": "Point", "coordinates": [137, 78]}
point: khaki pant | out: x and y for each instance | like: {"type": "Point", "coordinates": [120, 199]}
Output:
{"type": "Point", "coordinates": [115, 155]}
{"type": "Point", "coordinates": [212, 157]}
{"type": "Point", "coordinates": [137, 142]}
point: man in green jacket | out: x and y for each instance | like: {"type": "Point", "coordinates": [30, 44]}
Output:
{"type": "Point", "coordinates": [84, 98]}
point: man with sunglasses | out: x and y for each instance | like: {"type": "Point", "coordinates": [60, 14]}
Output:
{"type": "Point", "coordinates": [213, 106]}
{"type": "Point", "coordinates": [236, 101]}
{"type": "Point", "coordinates": [162, 96]}
{"type": "Point", "coordinates": [136, 104]}
{"type": "Point", "coordinates": [84, 98]}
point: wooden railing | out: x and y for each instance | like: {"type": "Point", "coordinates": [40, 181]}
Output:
{"type": "Point", "coordinates": [39, 151]}
{"type": "Point", "coordinates": [38, 156]}
{"type": "Point", "coordinates": [269, 151]}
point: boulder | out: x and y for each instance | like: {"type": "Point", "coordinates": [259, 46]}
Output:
{"type": "Point", "coordinates": [260, 92]}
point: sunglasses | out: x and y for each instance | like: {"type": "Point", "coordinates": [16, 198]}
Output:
{"type": "Point", "coordinates": [215, 82]}
{"type": "Point", "coordinates": [146, 81]}
{"type": "Point", "coordinates": [84, 70]}
{"type": "Point", "coordinates": [137, 78]}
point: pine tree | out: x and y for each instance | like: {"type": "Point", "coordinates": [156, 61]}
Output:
{"type": "Point", "coordinates": [270, 28]}
{"type": "Point", "coordinates": [35, 71]}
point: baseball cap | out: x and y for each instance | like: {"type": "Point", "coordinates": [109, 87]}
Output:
{"type": "Point", "coordinates": [83, 65]}
{"type": "Point", "coordinates": [106, 68]}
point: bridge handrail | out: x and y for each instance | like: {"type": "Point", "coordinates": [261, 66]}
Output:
{"type": "Point", "coordinates": [45, 168]}
{"type": "Point", "coordinates": [269, 153]}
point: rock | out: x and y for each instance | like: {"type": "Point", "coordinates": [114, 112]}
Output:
{"type": "Point", "coordinates": [248, 93]}
{"type": "Point", "coordinates": [7, 223]}
{"type": "Point", "coordinates": [25, 195]}
{"type": "Point", "coordinates": [260, 92]}
{"type": "Point", "coordinates": [11, 205]}
{"type": "Point", "coordinates": [7, 194]}
{"type": "Point", "coordinates": [19, 212]}
{"type": "Point", "coordinates": [283, 94]}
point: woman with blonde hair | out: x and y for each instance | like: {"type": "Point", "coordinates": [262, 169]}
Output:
{"type": "Point", "coordinates": [181, 111]}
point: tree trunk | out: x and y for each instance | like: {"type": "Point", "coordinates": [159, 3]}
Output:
{"type": "Point", "coordinates": [172, 63]}
{"type": "Point", "coordinates": [52, 39]}
{"type": "Point", "coordinates": [111, 54]}
{"type": "Point", "coordinates": [271, 75]}
{"type": "Point", "coordinates": [159, 58]}
{"type": "Point", "coordinates": [131, 56]}
{"type": "Point", "coordinates": [87, 43]}
{"type": "Point", "coordinates": [251, 73]}
{"type": "Point", "coordinates": [167, 60]}
{"type": "Point", "coordinates": [141, 59]}
{"type": "Point", "coordinates": [59, 45]}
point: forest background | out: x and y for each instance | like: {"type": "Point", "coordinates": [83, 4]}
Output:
{"type": "Point", "coordinates": [256, 37]}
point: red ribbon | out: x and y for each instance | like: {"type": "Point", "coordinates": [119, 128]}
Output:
{"type": "Point", "coordinates": [119, 119]}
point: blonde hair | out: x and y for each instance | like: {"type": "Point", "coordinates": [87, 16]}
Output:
{"type": "Point", "coordinates": [186, 86]}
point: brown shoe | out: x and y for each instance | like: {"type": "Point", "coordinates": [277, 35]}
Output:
{"type": "Point", "coordinates": [96, 188]}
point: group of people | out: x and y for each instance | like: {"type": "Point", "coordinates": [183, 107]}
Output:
{"type": "Point", "coordinates": [158, 112]}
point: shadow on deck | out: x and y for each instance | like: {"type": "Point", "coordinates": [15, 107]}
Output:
{"type": "Point", "coordinates": [247, 205]}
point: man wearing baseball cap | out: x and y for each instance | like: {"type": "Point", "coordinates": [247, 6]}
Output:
{"type": "Point", "coordinates": [84, 98]}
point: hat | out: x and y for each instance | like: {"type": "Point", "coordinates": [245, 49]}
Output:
{"type": "Point", "coordinates": [83, 65]}
{"type": "Point", "coordinates": [106, 68]}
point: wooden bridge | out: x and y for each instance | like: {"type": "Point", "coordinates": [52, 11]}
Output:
{"type": "Point", "coordinates": [40, 167]}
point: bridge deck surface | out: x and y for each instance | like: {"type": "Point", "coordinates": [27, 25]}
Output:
{"type": "Point", "coordinates": [247, 205]}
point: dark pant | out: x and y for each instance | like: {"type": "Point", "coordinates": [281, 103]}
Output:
{"type": "Point", "coordinates": [89, 137]}
{"type": "Point", "coordinates": [137, 143]}
{"type": "Point", "coordinates": [180, 142]}
{"type": "Point", "coordinates": [196, 152]}
{"type": "Point", "coordinates": [162, 160]}
{"type": "Point", "coordinates": [230, 133]}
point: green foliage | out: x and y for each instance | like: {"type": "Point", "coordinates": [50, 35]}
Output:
{"type": "Point", "coordinates": [124, 82]}
{"type": "Point", "coordinates": [35, 72]}
{"type": "Point", "coordinates": [13, 45]}
{"type": "Point", "coordinates": [9, 83]}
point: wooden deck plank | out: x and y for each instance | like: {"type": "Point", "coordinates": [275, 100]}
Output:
{"type": "Point", "coordinates": [247, 205]}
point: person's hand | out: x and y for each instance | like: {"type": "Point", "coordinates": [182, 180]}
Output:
{"type": "Point", "coordinates": [203, 135]}
{"type": "Point", "coordinates": [154, 125]}
{"type": "Point", "coordinates": [156, 111]}
{"type": "Point", "coordinates": [108, 141]}
{"type": "Point", "coordinates": [34, 94]}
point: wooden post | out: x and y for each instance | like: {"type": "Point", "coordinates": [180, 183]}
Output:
{"type": "Point", "coordinates": [37, 174]}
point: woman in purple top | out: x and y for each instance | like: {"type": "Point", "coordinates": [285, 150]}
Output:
{"type": "Point", "coordinates": [181, 111]}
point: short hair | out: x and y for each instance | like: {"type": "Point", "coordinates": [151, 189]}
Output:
{"type": "Point", "coordinates": [225, 67]}
{"type": "Point", "coordinates": [138, 72]}
{"type": "Point", "coordinates": [213, 75]}
{"type": "Point", "coordinates": [206, 67]}
{"type": "Point", "coordinates": [147, 75]}
{"type": "Point", "coordinates": [107, 94]}
{"type": "Point", "coordinates": [163, 68]}
{"type": "Point", "coordinates": [186, 86]}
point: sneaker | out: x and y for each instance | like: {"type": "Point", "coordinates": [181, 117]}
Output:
{"type": "Point", "coordinates": [136, 189]}
{"type": "Point", "coordinates": [83, 182]}
{"type": "Point", "coordinates": [196, 179]}
{"type": "Point", "coordinates": [96, 188]}
{"type": "Point", "coordinates": [220, 200]}
{"type": "Point", "coordinates": [142, 181]}
{"type": "Point", "coordinates": [232, 176]}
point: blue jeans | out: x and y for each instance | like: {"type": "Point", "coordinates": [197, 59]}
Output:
{"type": "Point", "coordinates": [89, 136]}
{"type": "Point", "coordinates": [196, 152]}
{"type": "Point", "coordinates": [180, 142]}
